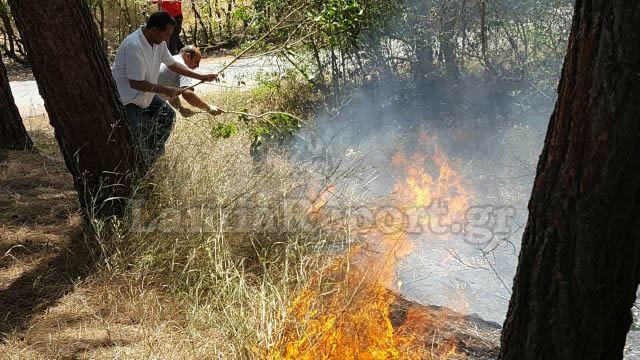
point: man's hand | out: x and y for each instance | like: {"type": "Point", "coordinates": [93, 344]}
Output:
{"type": "Point", "coordinates": [208, 77]}
{"type": "Point", "coordinates": [170, 91]}
{"type": "Point", "coordinates": [214, 110]}
{"type": "Point", "coordinates": [186, 112]}
{"type": "Point", "coordinates": [185, 71]}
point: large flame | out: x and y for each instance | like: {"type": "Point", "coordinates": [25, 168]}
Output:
{"type": "Point", "coordinates": [345, 313]}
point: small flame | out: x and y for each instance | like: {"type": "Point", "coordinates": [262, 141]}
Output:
{"type": "Point", "coordinates": [452, 351]}
{"type": "Point", "coordinates": [319, 201]}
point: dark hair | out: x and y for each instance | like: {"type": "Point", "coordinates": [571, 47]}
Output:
{"type": "Point", "coordinates": [159, 20]}
{"type": "Point", "coordinates": [189, 49]}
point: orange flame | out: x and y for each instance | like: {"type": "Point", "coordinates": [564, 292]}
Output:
{"type": "Point", "coordinates": [320, 200]}
{"type": "Point", "coordinates": [339, 326]}
{"type": "Point", "coordinates": [346, 315]}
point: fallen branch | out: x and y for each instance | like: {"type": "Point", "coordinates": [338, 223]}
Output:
{"type": "Point", "coordinates": [257, 116]}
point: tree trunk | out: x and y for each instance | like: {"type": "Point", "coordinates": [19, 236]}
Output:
{"type": "Point", "coordinates": [6, 23]}
{"type": "Point", "coordinates": [13, 135]}
{"type": "Point", "coordinates": [80, 96]}
{"type": "Point", "coordinates": [579, 264]}
{"type": "Point", "coordinates": [450, 59]}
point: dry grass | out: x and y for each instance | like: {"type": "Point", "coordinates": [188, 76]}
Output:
{"type": "Point", "coordinates": [212, 283]}
{"type": "Point", "coordinates": [38, 206]}
{"type": "Point", "coordinates": [223, 240]}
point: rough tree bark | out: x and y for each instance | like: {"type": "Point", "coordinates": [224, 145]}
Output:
{"type": "Point", "coordinates": [80, 96]}
{"type": "Point", "coordinates": [579, 264]}
{"type": "Point", "coordinates": [13, 134]}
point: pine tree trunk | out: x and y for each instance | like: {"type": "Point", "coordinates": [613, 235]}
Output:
{"type": "Point", "coordinates": [579, 264]}
{"type": "Point", "coordinates": [80, 96]}
{"type": "Point", "coordinates": [13, 134]}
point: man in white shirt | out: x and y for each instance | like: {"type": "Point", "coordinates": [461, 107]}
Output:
{"type": "Point", "coordinates": [135, 71]}
{"type": "Point", "coordinates": [189, 56]}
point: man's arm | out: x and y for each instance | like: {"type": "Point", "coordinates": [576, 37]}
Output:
{"type": "Point", "coordinates": [185, 112]}
{"type": "Point", "coordinates": [185, 71]}
{"type": "Point", "coordinates": [194, 100]}
{"type": "Point", "coordinates": [146, 86]}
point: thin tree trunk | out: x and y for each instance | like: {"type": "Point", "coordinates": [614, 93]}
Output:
{"type": "Point", "coordinates": [448, 45]}
{"type": "Point", "coordinates": [423, 65]}
{"type": "Point", "coordinates": [13, 134]}
{"type": "Point", "coordinates": [219, 19]}
{"type": "Point", "coordinates": [579, 264]}
{"type": "Point", "coordinates": [484, 40]}
{"type": "Point", "coordinates": [6, 23]}
{"type": "Point", "coordinates": [194, 33]}
{"type": "Point", "coordinates": [80, 96]}
{"type": "Point", "coordinates": [335, 82]}
{"type": "Point", "coordinates": [101, 24]}
{"type": "Point", "coordinates": [210, 23]}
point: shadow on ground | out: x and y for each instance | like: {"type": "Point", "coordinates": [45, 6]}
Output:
{"type": "Point", "coordinates": [38, 289]}
{"type": "Point", "coordinates": [43, 250]}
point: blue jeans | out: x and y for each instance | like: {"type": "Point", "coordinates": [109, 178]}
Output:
{"type": "Point", "coordinates": [151, 128]}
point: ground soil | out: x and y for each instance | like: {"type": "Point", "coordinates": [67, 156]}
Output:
{"type": "Point", "coordinates": [39, 225]}
{"type": "Point", "coordinates": [45, 258]}
{"type": "Point", "coordinates": [17, 71]}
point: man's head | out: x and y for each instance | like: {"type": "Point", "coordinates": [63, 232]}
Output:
{"type": "Point", "coordinates": [191, 56]}
{"type": "Point", "coordinates": [159, 27]}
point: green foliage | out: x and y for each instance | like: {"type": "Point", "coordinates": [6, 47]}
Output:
{"type": "Point", "coordinates": [340, 21]}
{"type": "Point", "coordinates": [224, 130]}
{"type": "Point", "coordinates": [242, 13]}
{"type": "Point", "coordinates": [269, 82]}
{"type": "Point", "coordinates": [244, 117]}
{"type": "Point", "coordinates": [432, 47]}
{"type": "Point", "coordinates": [274, 128]}
{"type": "Point", "coordinates": [277, 128]}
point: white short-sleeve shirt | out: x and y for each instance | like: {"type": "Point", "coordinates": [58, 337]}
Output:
{"type": "Point", "coordinates": [138, 60]}
{"type": "Point", "coordinates": [169, 78]}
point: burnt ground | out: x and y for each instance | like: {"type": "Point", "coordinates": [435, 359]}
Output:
{"type": "Point", "coordinates": [443, 328]}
